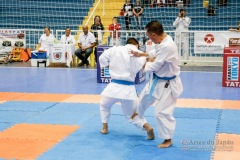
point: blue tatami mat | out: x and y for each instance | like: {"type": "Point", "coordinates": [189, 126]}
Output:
{"type": "Point", "coordinates": [142, 152]}
{"type": "Point", "coordinates": [15, 116]}
{"type": "Point", "coordinates": [197, 113]}
{"type": "Point", "coordinates": [4, 126]}
{"type": "Point", "coordinates": [229, 122]}
{"type": "Point", "coordinates": [25, 106]}
{"type": "Point", "coordinates": [196, 125]}
{"type": "Point", "coordinates": [89, 144]}
{"type": "Point", "coordinates": [66, 113]}
{"type": "Point", "coordinates": [84, 81]}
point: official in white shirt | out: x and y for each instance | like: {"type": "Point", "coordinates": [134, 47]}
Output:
{"type": "Point", "coordinates": [86, 42]}
{"type": "Point", "coordinates": [46, 39]}
{"type": "Point", "coordinates": [67, 38]}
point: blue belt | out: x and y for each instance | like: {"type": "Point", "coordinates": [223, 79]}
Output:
{"type": "Point", "coordinates": [122, 82]}
{"type": "Point", "coordinates": [156, 78]}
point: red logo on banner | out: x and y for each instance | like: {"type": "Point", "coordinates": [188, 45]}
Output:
{"type": "Point", "coordinates": [209, 38]}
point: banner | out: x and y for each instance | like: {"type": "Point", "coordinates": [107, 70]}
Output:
{"type": "Point", "coordinates": [212, 42]}
{"type": "Point", "coordinates": [12, 38]}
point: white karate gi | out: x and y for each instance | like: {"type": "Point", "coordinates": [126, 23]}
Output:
{"type": "Point", "coordinates": [182, 39]}
{"type": "Point", "coordinates": [122, 66]}
{"type": "Point", "coordinates": [165, 65]}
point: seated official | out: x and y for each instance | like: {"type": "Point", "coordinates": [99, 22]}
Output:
{"type": "Point", "coordinates": [45, 39]}
{"type": "Point", "coordinates": [67, 38]}
{"type": "Point", "coordinates": [86, 43]}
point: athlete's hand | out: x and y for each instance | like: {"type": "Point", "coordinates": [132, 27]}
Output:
{"type": "Point", "coordinates": [135, 53]}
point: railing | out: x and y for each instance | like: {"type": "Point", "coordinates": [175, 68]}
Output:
{"type": "Point", "coordinates": [192, 57]}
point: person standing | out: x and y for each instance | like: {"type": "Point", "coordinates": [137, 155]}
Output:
{"type": "Point", "coordinates": [138, 12]}
{"type": "Point", "coordinates": [114, 34]}
{"type": "Point", "coordinates": [182, 23]}
{"type": "Point", "coordinates": [128, 7]}
{"type": "Point", "coordinates": [86, 42]}
{"type": "Point", "coordinates": [165, 86]}
{"type": "Point", "coordinates": [123, 69]}
{"type": "Point", "coordinates": [97, 28]}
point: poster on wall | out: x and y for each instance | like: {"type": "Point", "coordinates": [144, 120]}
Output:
{"type": "Point", "coordinates": [12, 38]}
{"type": "Point", "coordinates": [210, 42]}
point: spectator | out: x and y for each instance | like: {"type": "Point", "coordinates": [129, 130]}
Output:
{"type": "Point", "coordinates": [171, 3]}
{"type": "Point", "coordinates": [236, 29]}
{"type": "Point", "coordinates": [182, 23]}
{"type": "Point", "coordinates": [137, 11]}
{"type": "Point", "coordinates": [46, 39]}
{"type": "Point", "coordinates": [97, 29]}
{"type": "Point", "coordinates": [86, 42]}
{"type": "Point", "coordinates": [67, 38]}
{"type": "Point", "coordinates": [127, 7]}
{"type": "Point", "coordinates": [158, 3]}
{"type": "Point", "coordinates": [114, 27]}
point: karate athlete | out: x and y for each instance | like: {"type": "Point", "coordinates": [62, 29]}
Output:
{"type": "Point", "coordinates": [165, 85]}
{"type": "Point", "coordinates": [182, 23]}
{"type": "Point", "coordinates": [123, 68]}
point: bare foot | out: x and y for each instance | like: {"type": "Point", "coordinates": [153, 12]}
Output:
{"type": "Point", "coordinates": [150, 131]}
{"type": "Point", "coordinates": [167, 143]}
{"type": "Point", "coordinates": [105, 129]}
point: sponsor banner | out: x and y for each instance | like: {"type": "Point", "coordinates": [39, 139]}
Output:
{"type": "Point", "coordinates": [234, 42]}
{"type": "Point", "coordinates": [212, 42]}
{"type": "Point", "coordinates": [233, 50]}
{"type": "Point", "coordinates": [232, 68]}
{"type": "Point", "coordinates": [12, 38]}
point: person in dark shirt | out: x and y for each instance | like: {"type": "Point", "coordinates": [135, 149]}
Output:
{"type": "Point", "coordinates": [95, 28]}
{"type": "Point", "coordinates": [127, 7]}
{"type": "Point", "coordinates": [137, 12]}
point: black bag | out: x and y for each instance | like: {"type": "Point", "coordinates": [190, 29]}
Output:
{"type": "Point", "coordinates": [211, 10]}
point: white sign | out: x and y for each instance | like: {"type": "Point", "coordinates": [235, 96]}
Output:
{"type": "Point", "coordinates": [12, 38]}
{"type": "Point", "coordinates": [61, 53]}
{"type": "Point", "coordinates": [212, 42]}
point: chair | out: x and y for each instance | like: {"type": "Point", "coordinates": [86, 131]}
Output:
{"type": "Point", "coordinates": [76, 60]}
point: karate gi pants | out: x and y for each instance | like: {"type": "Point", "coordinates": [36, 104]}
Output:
{"type": "Point", "coordinates": [164, 108]}
{"type": "Point", "coordinates": [128, 108]}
